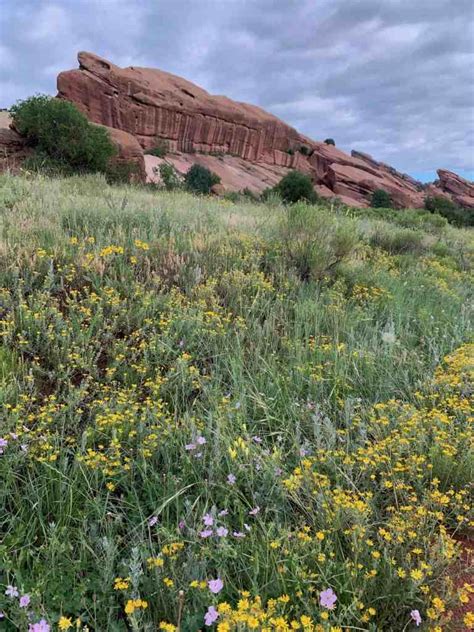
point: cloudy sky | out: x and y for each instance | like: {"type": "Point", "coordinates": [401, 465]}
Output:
{"type": "Point", "coordinates": [394, 78]}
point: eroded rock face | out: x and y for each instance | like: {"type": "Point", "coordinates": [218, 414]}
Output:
{"type": "Point", "coordinates": [129, 151]}
{"type": "Point", "coordinates": [13, 147]}
{"type": "Point", "coordinates": [246, 146]}
{"type": "Point", "coordinates": [460, 190]}
{"type": "Point", "coordinates": [152, 104]}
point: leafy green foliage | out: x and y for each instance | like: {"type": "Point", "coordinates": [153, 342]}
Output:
{"type": "Point", "coordinates": [59, 131]}
{"type": "Point", "coordinates": [450, 210]}
{"type": "Point", "coordinates": [121, 172]}
{"type": "Point", "coordinates": [200, 180]}
{"type": "Point", "coordinates": [330, 141]}
{"type": "Point", "coordinates": [381, 199]}
{"type": "Point", "coordinates": [169, 177]}
{"type": "Point", "coordinates": [296, 186]}
{"type": "Point", "coordinates": [314, 243]}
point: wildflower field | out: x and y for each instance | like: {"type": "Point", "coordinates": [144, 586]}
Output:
{"type": "Point", "coordinates": [231, 417]}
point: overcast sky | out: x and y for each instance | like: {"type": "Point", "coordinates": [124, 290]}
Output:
{"type": "Point", "coordinates": [394, 78]}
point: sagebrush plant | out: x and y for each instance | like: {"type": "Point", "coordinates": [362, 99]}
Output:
{"type": "Point", "coordinates": [216, 419]}
{"type": "Point", "coordinates": [381, 199]}
{"type": "Point", "coordinates": [296, 186]}
{"type": "Point", "coordinates": [62, 135]}
{"type": "Point", "coordinates": [169, 177]}
{"type": "Point", "coordinates": [200, 179]}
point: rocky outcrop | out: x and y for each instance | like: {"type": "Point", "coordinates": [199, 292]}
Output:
{"type": "Point", "coordinates": [246, 146]}
{"type": "Point", "coordinates": [13, 147]}
{"type": "Point", "coordinates": [129, 152]}
{"type": "Point", "coordinates": [155, 106]}
{"type": "Point", "coordinates": [243, 144]}
{"type": "Point", "coordinates": [460, 190]}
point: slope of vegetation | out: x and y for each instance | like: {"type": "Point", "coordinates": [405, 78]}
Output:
{"type": "Point", "coordinates": [229, 416]}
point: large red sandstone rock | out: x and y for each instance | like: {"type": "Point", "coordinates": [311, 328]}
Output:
{"type": "Point", "coordinates": [141, 106]}
{"type": "Point", "coordinates": [461, 190]}
{"type": "Point", "coordinates": [152, 104]}
{"type": "Point", "coordinates": [129, 151]}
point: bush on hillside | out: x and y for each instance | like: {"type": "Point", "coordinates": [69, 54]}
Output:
{"type": "Point", "coordinates": [200, 180]}
{"type": "Point", "coordinates": [314, 243]}
{"type": "Point", "coordinates": [169, 177]}
{"type": "Point", "coordinates": [381, 199]}
{"type": "Point", "coordinates": [60, 132]}
{"type": "Point", "coordinates": [305, 150]}
{"type": "Point", "coordinates": [296, 186]}
{"type": "Point", "coordinates": [397, 242]}
{"type": "Point", "coordinates": [330, 141]}
{"type": "Point", "coordinates": [451, 211]}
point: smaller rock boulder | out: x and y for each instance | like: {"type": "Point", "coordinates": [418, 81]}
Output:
{"type": "Point", "coordinates": [129, 151]}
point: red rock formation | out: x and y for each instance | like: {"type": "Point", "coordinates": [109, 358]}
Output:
{"type": "Point", "coordinates": [246, 146]}
{"type": "Point", "coordinates": [461, 190]}
{"type": "Point", "coordinates": [153, 105]}
{"type": "Point", "coordinates": [13, 148]}
{"type": "Point", "coordinates": [129, 151]}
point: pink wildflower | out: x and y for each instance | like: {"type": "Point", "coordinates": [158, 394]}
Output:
{"type": "Point", "coordinates": [328, 598]}
{"type": "Point", "coordinates": [215, 585]}
{"type": "Point", "coordinates": [416, 617]}
{"type": "Point", "coordinates": [12, 591]}
{"type": "Point", "coordinates": [206, 533]}
{"type": "Point", "coordinates": [41, 626]}
{"type": "Point", "coordinates": [24, 601]}
{"type": "Point", "coordinates": [211, 616]}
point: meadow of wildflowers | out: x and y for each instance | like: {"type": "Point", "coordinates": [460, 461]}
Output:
{"type": "Point", "coordinates": [230, 417]}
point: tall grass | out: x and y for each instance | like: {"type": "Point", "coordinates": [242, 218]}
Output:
{"type": "Point", "coordinates": [171, 361]}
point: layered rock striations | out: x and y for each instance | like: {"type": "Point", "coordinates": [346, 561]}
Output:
{"type": "Point", "coordinates": [245, 145]}
{"type": "Point", "coordinates": [460, 190]}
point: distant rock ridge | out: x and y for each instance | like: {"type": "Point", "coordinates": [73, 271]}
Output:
{"type": "Point", "coordinates": [245, 145]}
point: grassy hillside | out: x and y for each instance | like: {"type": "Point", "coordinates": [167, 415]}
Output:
{"type": "Point", "coordinates": [224, 416]}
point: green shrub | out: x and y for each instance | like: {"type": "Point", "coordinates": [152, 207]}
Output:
{"type": "Point", "coordinates": [160, 150]}
{"type": "Point", "coordinates": [401, 241]}
{"type": "Point", "coordinates": [313, 242]}
{"type": "Point", "coordinates": [381, 199]}
{"type": "Point", "coordinates": [58, 130]}
{"type": "Point", "coordinates": [330, 141]}
{"type": "Point", "coordinates": [169, 177]}
{"type": "Point", "coordinates": [200, 180]}
{"type": "Point", "coordinates": [296, 186]}
{"type": "Point", "coordinates": [306, 151]}
{"type": "Point", "coordinates": [451, 211]}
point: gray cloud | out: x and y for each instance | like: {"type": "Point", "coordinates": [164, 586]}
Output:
{"type": "Point", "coordinates": [393, 78]}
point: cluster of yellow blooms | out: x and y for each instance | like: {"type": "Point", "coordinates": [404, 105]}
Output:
{"type": "Point", "coordinates": [377, 507]}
